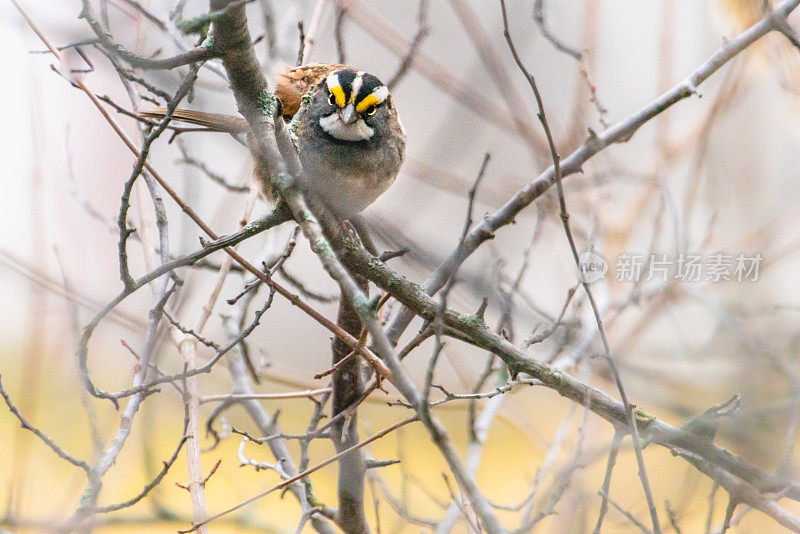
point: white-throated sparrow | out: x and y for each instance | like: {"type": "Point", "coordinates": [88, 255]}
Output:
{"type": "Point", "coordinates": [349, 137]}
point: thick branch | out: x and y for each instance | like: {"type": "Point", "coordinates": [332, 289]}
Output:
{"type": "Point", "coordinates": [656, 431]}
{"type": "Point", "coordinates": [348, 386]}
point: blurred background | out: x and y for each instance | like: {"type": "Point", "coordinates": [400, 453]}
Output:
{"type": "Point", "coordinates": [712, 175]}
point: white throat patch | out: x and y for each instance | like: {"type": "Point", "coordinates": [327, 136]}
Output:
{"type": "Point", "coordinates": [358, 131]}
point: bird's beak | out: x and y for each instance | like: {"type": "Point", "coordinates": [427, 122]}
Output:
{"type": "Point", "coordinates": [349, 114]}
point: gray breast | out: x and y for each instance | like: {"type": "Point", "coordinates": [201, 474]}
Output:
{"type": "Point", "coordinates": [348, 176]}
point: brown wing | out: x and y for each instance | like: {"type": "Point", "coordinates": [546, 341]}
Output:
{"type": "Point", "coordinates": [295, 82]}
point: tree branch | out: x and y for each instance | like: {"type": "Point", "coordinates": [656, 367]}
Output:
{"type": "Point", "coordinates": [620, 132]}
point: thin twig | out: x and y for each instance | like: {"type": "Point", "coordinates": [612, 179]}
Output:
{"type": "Point", "coordinates": [264, 396]}
{"type": "Point", "coordinates": [309, 40]}
{"type": "Point", "coordinates": [606, 487]}
{"type": "Point", "coordinates": [408, 58]}
{"type": "Point", "coordinates": [538, 18]}
{"type": "Point", "coordinates": [41, 435]}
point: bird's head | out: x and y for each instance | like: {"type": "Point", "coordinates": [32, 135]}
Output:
{"type": "Point", "coordinates": [355, 105]}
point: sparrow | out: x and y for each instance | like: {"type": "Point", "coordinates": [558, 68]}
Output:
{"type": "Point", "coordinates": [348, 134]}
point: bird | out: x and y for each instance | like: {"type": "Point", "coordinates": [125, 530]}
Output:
{"type": "Point", "coordinates": [348, 134]}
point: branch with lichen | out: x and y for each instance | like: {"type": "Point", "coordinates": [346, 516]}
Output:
{"type": "Point", "coordinates": [476, 331]}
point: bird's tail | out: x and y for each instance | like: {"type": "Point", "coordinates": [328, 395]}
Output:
{"type": "Point", "coordinates": [213, 122]}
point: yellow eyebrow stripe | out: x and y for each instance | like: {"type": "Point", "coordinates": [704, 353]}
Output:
{"type": "Point", "coordinates": [367, 101]}
{"type": "Point", "coordinates": [338, 94]}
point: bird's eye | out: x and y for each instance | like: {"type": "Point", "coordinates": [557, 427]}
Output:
{"type": "Point", "coordinates": [331, 100]}
{"type": "Point", "coordinates": [371, 110]}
